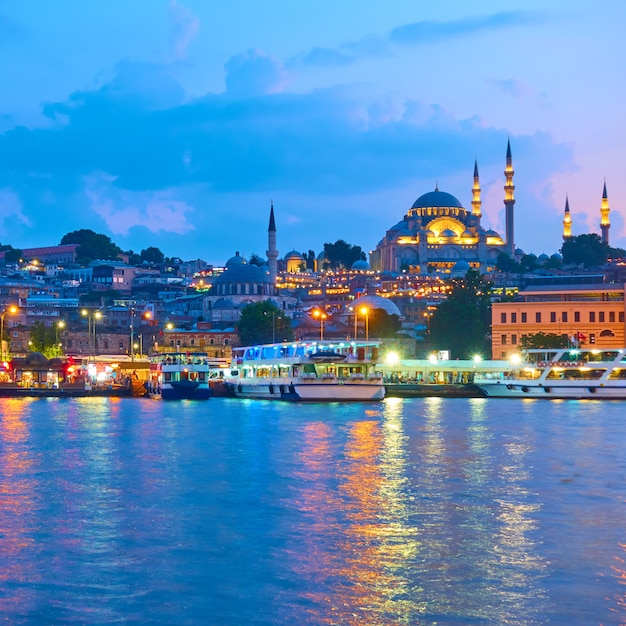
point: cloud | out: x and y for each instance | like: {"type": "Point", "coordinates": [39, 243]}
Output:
{"type": "Point", "coordinates": [140, 160]}
{"type": "Point", "coordinates": [121, 210]}
{"type": "Point", "coordinates": [185, 27]}
{"type": "Point", "coordinates": [417, 33]}
{"type": "Point", "coordinates": [254, 74]}
{"type": "Point", "coordinates": [432, 32]}
{"type": "Point", "coordinates": [515, 88]}
{"type": "Point", "coordinates": [12, 212]}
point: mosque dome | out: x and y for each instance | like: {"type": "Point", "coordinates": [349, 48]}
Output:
{"type": "Point", "coordinates": [461, 266]}
{"type": "Point", "coordinates": [543, 258]}
{"type": "Point", "coordinates": [294, 255]}
{"type": "Point", "coordinates": [447, 233]}
{"type": "Point", "coordinates": [556, 257]}
{"type": "Point", "coordinates": [437, 199]}
{"type": "Point", "coordinates": [360, 265]}
{"type": "Point", "coordinates": [372, 301]}
{"type": "Point", "coordinates": [236, 260]}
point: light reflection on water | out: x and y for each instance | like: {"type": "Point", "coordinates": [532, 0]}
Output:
{"type": "Point", "coordinates": [233, 512]}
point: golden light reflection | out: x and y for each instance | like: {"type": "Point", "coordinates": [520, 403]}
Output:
{"type": "Point", "coordinates": [17, 498]}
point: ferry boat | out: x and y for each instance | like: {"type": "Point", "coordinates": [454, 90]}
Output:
{"type": "Point", "coordinates": [561, 373]}
{"type": "Point", "coordinates": [180, 376]}
{"type": "Point", "coordinates": [323, 371]}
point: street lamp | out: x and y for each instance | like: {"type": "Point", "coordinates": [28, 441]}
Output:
{"type": "Point", "coordinates": [170, 326]}
{"type": "Point", "coordinates": [365, 312]}
{"type": "Point", "coordinates": [321, 316]}
{"type": "Point", "coordinates": [91, 327]}
{"type": "Point", "coordinates": [60, 324]}
{"type": "Point", "coordinates": [13, 310]}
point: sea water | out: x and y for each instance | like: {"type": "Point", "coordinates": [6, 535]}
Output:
{"type": "Point", "coordinates": [423, 511]}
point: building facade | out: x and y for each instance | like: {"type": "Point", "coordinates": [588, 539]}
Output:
{"type": "Point", "coordinates": [590, 315]}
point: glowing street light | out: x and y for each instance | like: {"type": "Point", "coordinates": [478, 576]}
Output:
{"type": "Point", "coordinates": [13, 310]}
{"type": "Point", "coordinates": [365, 312]}
{"type": "Point", "coordinates": [60, 324]}
{"type": "Point", "coordinates": [321, 316]}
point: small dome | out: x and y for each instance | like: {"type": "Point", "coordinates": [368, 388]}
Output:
{"type": "Point", "coordinates": [294, 254]}
{"type": "Point", "coordinates": [467, 233]}
{"type": "Point", "coordinates": [556, 257]}
{"type": "Point", "coordinates": [360, 265]}
{"type": "Point", "coordinates": [491, 233]}
{"type": "Point", "coordinates": [447, 233]}
{"type": "Point", "coordinates": [236, 260]}
{"type": "Point", "coordinates": [372, 301]}
{"type": "Point", "coordinates": [436, 199]}
{"type": "Point", "coordinates": [519, 252]}
{"type": "Point", "coordinates": [461, 266]}
{"type": "Point", "coordinates": [543, 257]}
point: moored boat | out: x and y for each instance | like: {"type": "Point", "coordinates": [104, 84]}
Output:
{"type": "Point", "coordinates": [561, 373]}
{"type": "Point", "coordinates": [305, 370]}
{"type": "Point", "coordinates": [180, 376]}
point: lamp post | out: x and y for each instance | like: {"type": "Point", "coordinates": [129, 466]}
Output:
{"type": "Point", "coordinates": [92, 317]}
{"type": "Point", "coordinates": [321, 316]}
{"type": "Point", "coordinates": [60, 324]}
{"type": "Point", "coordinates": [169, 326]}
{"type": "Point", "coordinates": [96, 316]}
{"type": "Point", "coordinates": [365, 312]}
{"type": "Point", "coordinates": [13, 310]}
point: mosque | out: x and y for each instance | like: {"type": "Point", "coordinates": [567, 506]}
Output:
{"type": "Point", "coordinates": [439, 235]}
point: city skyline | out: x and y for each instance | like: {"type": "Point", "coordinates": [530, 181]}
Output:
{"type": "Point", "coordinates": [176, 124]}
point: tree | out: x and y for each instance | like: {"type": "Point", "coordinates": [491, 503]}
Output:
{"type": "Point", "coordinates": [263, 322]}
{"type": "Point", "coordinates": [543, 340]}
{"type": "Point", "coordinates": [11, 254]}
{"type": "Point", "coordinates": [341, 254]}
{"type": "Point", "coordinates": [507, 264]}
{"type": "Point", "coordinates": [152, 255]}
{"type": "Point", "coordinates": [310, 261]}
{"type": "Point", "coordinates": [43, 339]}
{"type": "Point", "coordinates": [383, 325]}
{"type": "Point", "coordinates": [462, 322]}
{"type": "Point", "coordinates": [255, 259]}
{"type": "Point", "coordinates": [91, 246]}
{"type": "Point", "coordinates": [586, 250]}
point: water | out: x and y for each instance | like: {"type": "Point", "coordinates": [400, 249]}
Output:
{"type": "Point", "coordinates": [426, 511]}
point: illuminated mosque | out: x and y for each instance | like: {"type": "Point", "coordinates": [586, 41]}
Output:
{"type": "Point", "coordinates": [439, 235]}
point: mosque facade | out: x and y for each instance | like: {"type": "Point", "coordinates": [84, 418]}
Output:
{"type": "Point", "coordinates": [439, 235]}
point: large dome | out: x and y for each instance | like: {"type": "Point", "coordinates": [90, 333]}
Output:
{"type": "Point", "coordinates": [436, 199]}
{"type": "Point", "coordinates": [372, 301]}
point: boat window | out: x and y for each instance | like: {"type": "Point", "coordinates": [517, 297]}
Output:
{"type": "Point", "coordinates": [618, 374]}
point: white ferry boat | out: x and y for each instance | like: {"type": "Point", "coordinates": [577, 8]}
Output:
{"type": "Point", "coordinates": [324, 371]}
{"type": "Point", "coordinates": [180, 376]}
{"type": "Point", "coordinates": [561, 373]}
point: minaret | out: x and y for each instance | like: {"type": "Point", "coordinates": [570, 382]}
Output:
{"type": "Point", "coordinates": [567, 221]}
{"type": "Point", "coordinates": [509, 202]}
{"type": "Point", "coordinates": [272, 252]}
{"type": "Point", "coordinates": [476, 193]}
{"type": "Point", "coordinates": [605, 224]}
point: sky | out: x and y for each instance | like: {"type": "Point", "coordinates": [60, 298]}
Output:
{"type": "Point", "coordinates": [176, 124]}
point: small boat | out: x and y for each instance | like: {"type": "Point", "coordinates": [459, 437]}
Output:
{"type": "Point", "coordinates": [304, 370]}
{"type": "Point", "coordinates": [562, 373]}
{"type": "Point", "coordinates": [180, 376]}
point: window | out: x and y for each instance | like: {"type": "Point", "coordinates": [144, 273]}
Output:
{"type": "Point", "coordinates": [538, 317]}
{"type": "Point", "coordinates": [523, 318]}
{"type": "Point", "coordinates": [592, 338]}
{"type": "Point", "coordinates": [577, 316]}
{"type": "Point", "coordinates": [514, 339]}
{"type": "Point", "coordinates": [503, 340]}
{"type": "Point", "coordinates": [601, 316]}
{"type": "Point", "coordinates": [611, 316]}
{"type": "Point", "coordinates": [553, 317]}
{"type": "Point", "coordinates": [621, 316]}
{"type": "Point", "coordinates": [592, 316]}
{"type": "Point", "coordinates": [514, 318]}
{"type": "Point", "coordinates": [503, 318]}
{"type": "Point", "coordinates": [564, 317]}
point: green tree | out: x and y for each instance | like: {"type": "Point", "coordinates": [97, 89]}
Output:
{"type": "Point", "coordinates": [43, 339]}
{"type": "Point", "coordinates": [11, 254]}
{"type": "Point", "coordinates": [341, 254]}
{"type": "Point", "coordinates": [543, 340]}
{"type": "Point", "coordinates": [91, 246]}
{"type": "Point", "coordinates": [263, 322]}
{"type": "Point", "coordinates": [586, 250]}
{"type": "Point", "coordinates": [255, 259]}
{"type": "Point", "coordinates": [462, 322]}
{"type": "Point", "coordinates": [382, 325]}
{"type": "Point", "coordinates": [151, 255]}
{"type": "Point", "coordinates": [507, 264]}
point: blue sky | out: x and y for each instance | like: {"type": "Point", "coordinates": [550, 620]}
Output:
{"type": "Point", "coordinates": [175, 124]}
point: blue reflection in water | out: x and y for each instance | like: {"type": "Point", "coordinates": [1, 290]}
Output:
{"type": "Point", "coordinates": [458, 511]}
